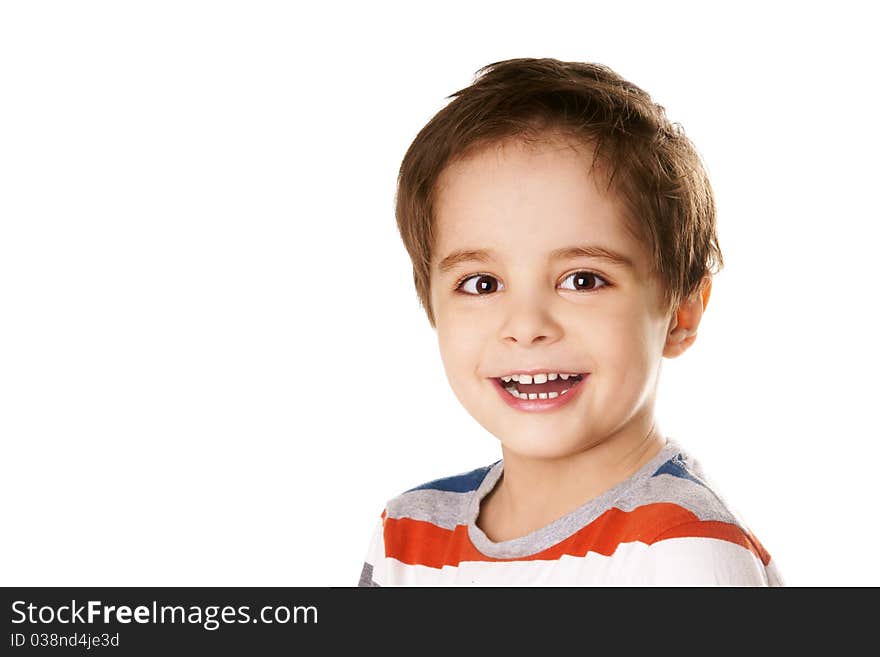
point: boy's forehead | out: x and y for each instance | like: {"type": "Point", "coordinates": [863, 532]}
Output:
{"type": "Point", "coordinates": [527, 202]}
{"type": "Point", "coordinates": [513, 154]}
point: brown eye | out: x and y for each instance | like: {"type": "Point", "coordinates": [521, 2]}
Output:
{"type": "Point", "coordinates": [585, 281]}
{"type": "Point", "coordinates": [484, 284]}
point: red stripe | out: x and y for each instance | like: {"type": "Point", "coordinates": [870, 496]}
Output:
{"type": "Point", "coordinates": [424, 543]}
{"type": "Point", "coordinates": [721, 530]}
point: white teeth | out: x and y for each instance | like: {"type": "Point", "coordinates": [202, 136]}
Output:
{"type": "Point", "coordinates": [537, 379]}
{"type": "Point", "coordinates": [542, 395]}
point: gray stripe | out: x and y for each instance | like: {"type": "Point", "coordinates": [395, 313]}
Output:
{"type": "Point", "coordinates": [700, 500]}
{"type": "Point", "coordinates": [448, 509]}
{"type": "Point", "coordinates": [638, 489]}
{"type": "Point", "coordinates": [442, 508]}
{"type": "Point", "coordinates": [696, 496]}
{"type": "Point", "coordinates": [367, 576]}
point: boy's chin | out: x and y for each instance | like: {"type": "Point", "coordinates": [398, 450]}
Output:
{"type": "Point", "coordinates": [537, 447]}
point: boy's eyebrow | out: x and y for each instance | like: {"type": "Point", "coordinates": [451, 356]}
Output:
{"type": "Point", "coordinates": [565, 253]}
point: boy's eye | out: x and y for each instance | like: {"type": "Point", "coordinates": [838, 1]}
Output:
{"type": "Point", "coordinates": [585, 280]}
{"type": "Point", "coordinates": [484, 283]}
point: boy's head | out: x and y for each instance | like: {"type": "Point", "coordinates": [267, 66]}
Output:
{"type": "Point", "coordinates": [536, 159]}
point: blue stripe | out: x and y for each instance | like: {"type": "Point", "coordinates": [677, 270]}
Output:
{"type": "Point", "coordinates": [461, 483]}
{"type": "Point", "coordinates": [677, 468]}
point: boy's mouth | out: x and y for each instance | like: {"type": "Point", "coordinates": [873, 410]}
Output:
{"type": "Point", "coordinates": [525, 385]}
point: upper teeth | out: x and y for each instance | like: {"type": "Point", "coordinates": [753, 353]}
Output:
{"type": "Point", "coordinates": [536, 378]}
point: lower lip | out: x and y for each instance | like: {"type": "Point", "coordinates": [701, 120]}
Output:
{"type": "Point", "coordinates": [538, 405]}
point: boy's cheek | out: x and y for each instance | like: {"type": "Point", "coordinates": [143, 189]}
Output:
{"type": "Point", "coordinates": [460, 343]}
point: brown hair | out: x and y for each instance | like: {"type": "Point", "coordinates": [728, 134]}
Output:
{"type": "Point", "coordinates": [647, 161]}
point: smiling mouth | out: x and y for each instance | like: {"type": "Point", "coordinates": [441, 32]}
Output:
{"type": "Point", "coordinates": [546, 390]}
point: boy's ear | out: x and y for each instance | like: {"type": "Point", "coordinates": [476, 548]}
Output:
{"type": "Point", "coordinates": [683, 328]}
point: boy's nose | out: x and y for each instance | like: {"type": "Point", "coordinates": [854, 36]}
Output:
{"type": "Point", "coordinates": [530, 323]}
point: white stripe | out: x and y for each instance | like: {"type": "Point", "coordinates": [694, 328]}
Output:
{"type": "Point", "coordinates": [691, 561]}
{"type": "Point", "coordinates": [376, 551]}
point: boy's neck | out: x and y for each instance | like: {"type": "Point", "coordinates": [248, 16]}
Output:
{"type": "Point", "coordinates": [532, 493]}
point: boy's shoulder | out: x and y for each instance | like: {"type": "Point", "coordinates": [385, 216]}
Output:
{"type": "Point", "coordinates": [677, 500]}
{"type": "Point", "coordinates": [444, 501]}
{"type": "Point", "coordinates": [670, 493]}
{"type": "Point", "coordinates": [463, 482]}
{"type": "Point", "coordinates": [676, 487]}
{"type": "Point", "coordinates": [688, 505]}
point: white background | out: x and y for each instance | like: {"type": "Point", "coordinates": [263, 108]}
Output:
{"type": "Point", "coordinates": [213, 366]}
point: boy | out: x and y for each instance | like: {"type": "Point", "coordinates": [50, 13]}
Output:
{"type": "Point", "coordinates": [562, 234]}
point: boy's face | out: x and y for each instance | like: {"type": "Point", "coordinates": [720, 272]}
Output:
{"type": "Point", "coordinates": [520, 309]}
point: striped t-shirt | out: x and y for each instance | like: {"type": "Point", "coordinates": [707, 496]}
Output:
{"type": "Point", "coordinates": [663, 526]}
